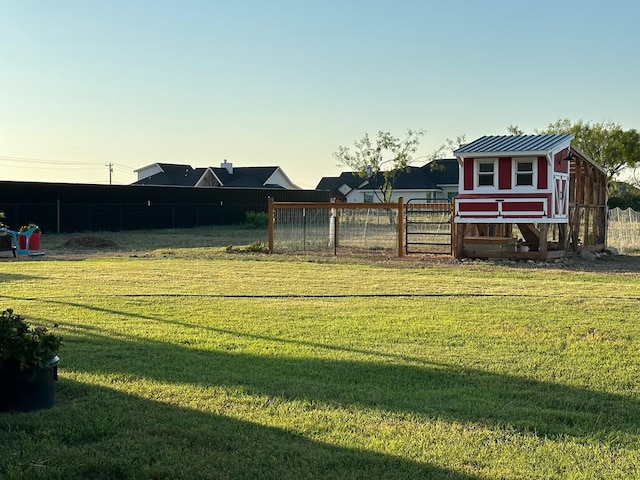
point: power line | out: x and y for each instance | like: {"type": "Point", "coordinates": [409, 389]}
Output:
{"type": "Point", "coordinates": [40, 161]}
{"type": "Point", "coordinates": [69, 167]}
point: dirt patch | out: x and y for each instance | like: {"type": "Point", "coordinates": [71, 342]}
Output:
{"type": "Point", "coordinates": [90, 242]}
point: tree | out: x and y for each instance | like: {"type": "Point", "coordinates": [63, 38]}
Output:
{"type": "Point", "coordinates": [447, 148]}
{"type": "Point", "coordinates": [382, 162]}
{"type": "Point", "coordinates": [514, 130]}
{"type": "Point", "coordinates": [607, 143]}
{"type": "Point", "coordinates": [624, 196]}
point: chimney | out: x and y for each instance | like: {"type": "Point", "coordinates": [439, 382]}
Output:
{"type": "Point", "coordinates": [228, 166]}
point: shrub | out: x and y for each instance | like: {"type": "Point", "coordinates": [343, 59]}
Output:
{"type": "Point", "coordinates": [24, 346]}
{"type": "Point", "coordinates": [256, 219]}
{"type": "Point", "coordinates": [256, 247]}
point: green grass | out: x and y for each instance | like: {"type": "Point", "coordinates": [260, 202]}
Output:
{"type": "Point", "coordinates": [192, 362]}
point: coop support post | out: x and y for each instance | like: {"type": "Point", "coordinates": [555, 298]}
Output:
{"type": "Point", "coordinates": [544, 231]}
{"type": "Point", "coordinates": [459, 240]}
{"type": "Point", "coordinates": [400, 227]}
{"type": "Point", "coordinates": [270, 224]}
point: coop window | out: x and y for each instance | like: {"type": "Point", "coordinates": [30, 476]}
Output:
{"type": "Point", "coordinates": [524, 173]}
{"type": "Point", "coordinates": [486, 174]}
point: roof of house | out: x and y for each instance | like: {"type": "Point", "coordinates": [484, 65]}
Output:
{"type": "Point", "coordinates": [249, 177]}
{"type": "Point", "coordinates": [444, 171]}
{"type": "Point", "coordinates": [172, 174]}
{"type": "Point", "coordinates": [185, 175]}
{"type": "Point", "coordinates": [351, 179]}
{"type": "Point", "coordinates": [428, 177]}
{"type": "Point", "coordinates": [522, 144]}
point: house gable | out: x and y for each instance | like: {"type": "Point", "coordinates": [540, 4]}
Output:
{"type": "Point", "coordinates": [278, 177]}
{"type": "Point", "coordinates": [169, 174]}
{"type": "Point", "coordinates": [148, 171]}
{"type": "Point", "coordinates": [251, 177]}
{"type": "Point", "coordinates": [340, 187]}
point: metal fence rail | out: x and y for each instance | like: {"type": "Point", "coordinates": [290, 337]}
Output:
{"type": "Point", "coordinates": [428, 226]}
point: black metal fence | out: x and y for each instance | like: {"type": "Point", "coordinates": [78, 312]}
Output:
{"type": "Point", "coordinates": [60, 207]}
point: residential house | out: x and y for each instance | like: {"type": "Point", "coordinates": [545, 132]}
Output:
{"type": "Point", "coordinates": [224, 176]}
{"type": "Point", "coordinates": [437, 180]}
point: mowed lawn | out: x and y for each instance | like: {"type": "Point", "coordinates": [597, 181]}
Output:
{"type": "Point", "coordinates": [206, 362]}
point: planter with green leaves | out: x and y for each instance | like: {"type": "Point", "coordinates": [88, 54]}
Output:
{"type": "Point", "coordinates": [28, 364]}
{"type": "Point", "coordinates": [29, 237]}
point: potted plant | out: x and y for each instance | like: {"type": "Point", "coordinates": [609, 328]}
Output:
{"type": "Point", "coordinates": [29, 237]}
{"type": "Point", "coordinates": [28, 364]}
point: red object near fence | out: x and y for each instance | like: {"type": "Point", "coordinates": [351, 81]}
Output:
{"type": "Point", "coordinates": [34, 241]}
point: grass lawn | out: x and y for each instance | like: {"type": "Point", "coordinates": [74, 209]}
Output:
{"type": "Point", "coordinates": [185, 358]}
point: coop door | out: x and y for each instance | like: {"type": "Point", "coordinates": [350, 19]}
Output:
{"type": "Point", "coordinates": [561, 196]}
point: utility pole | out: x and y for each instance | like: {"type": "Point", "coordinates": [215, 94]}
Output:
{"type": "Point", "coordinates": [110, 165]}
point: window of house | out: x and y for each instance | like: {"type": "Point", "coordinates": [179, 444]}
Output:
{"type": "Point", "coordinates": [486, 174]}
{"type": "Point", "coordinates": [368, 197]}
{"type": "Point", "coordinates": [524, 173]}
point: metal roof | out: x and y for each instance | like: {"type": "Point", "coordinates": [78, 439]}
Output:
{"type": "Point", "coordinates": [501, 144]}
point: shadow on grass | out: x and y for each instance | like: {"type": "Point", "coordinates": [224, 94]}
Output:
{"type": "Point", "coordinates": [435, 390]}
{"type": "Point", "coordinates": [100, 433]}
{"type": "Point", "coordinates": [16, 277]}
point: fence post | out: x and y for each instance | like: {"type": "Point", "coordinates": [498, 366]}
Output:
{"type": "Point", "coordinates": [336, 232]}
{"type": "Point", "coordinates": [270, 223]}
{"type": "Point", "coordinates": [333, 226]}
{"type": "Point", "coordinates": [400, 227]}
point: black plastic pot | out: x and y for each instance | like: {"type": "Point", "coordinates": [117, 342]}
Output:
{"type": "Point", "coordinates": [28, 389]}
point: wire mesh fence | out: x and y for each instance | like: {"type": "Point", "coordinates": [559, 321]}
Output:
{"type": "Point", "coordinates": [624, 230]}
{"type": "Point", "coordinates": [335, 230]}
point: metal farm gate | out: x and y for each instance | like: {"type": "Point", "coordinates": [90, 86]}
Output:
{"type": "Point", "coordinates": [428, 226]}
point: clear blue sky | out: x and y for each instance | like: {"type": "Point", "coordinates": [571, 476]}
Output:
{"type": "Point", "coordinates": [87, 83]}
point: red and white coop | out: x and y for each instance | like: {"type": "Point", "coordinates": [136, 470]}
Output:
{"type": "Point", "coordinates": [528, 196]}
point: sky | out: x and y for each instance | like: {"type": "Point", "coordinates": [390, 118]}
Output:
{"type": "Point", "coordinates": [90, 91]}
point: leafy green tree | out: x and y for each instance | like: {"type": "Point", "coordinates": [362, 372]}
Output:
{"type": "Point", "coordinates": [607, 143]}
{"type": "Point", "coordinates": [445, 151]}
{"type": "Point", "coordinates": [514, 130]}
{"type": "Point", "coordinates": [381, 161]}
{"type": "Point", "coordinates": [624, 195]}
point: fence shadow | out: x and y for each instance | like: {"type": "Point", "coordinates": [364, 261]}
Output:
{"type": "Point", "coordinates": [94, 439]}
{"type": "Point", "coordinates": [435, 390]}
{"type": "Point", "coordinates": [15, 277]}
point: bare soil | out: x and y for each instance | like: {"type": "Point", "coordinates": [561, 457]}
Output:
{"type": "Point", "coordinates": [229, 242]}
{"type": "Point", "coordinates": [90, 242]}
